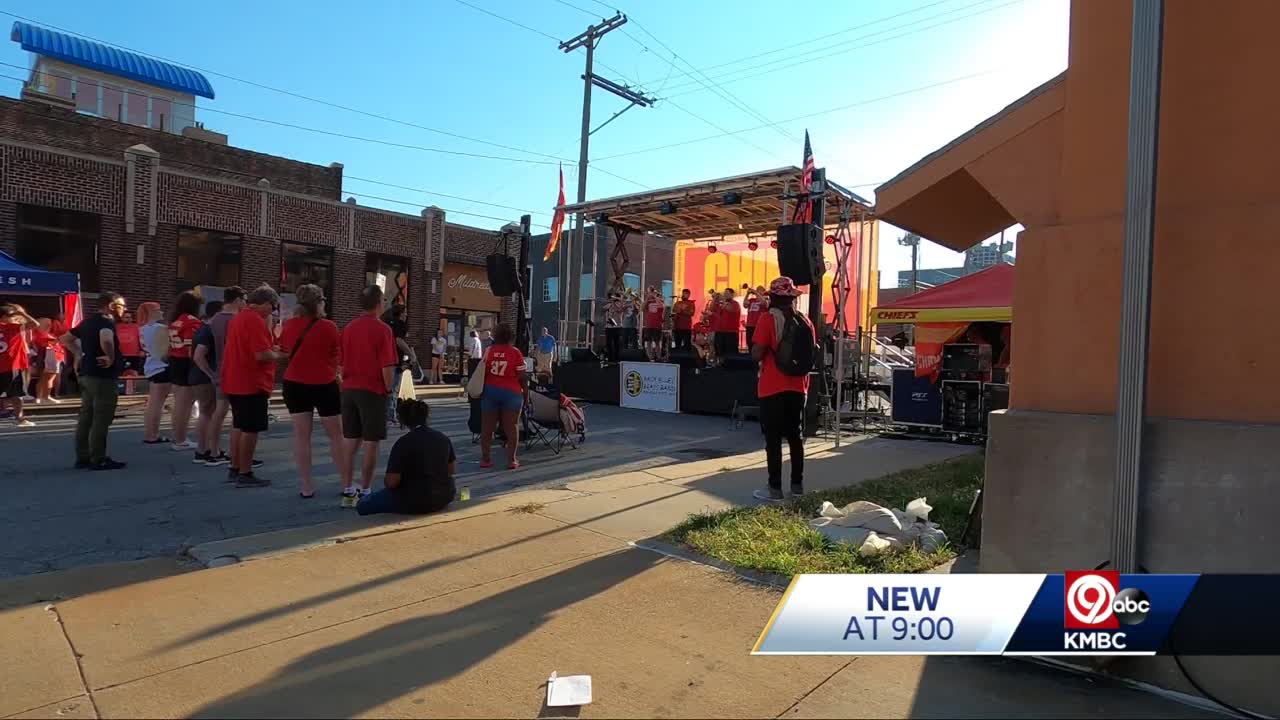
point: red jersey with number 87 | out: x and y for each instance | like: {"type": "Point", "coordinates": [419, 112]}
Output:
{"type": "Point", "coordinates": [13, 349]}
{"type": "Point", "coordinates": [502, 367]}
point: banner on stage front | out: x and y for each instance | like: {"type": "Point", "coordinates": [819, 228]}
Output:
{"type": "Point", "coordinates": [650, 386]}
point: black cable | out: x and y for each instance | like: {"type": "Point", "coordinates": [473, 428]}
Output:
{"type": "Point", "coordinates": [1177, 660]}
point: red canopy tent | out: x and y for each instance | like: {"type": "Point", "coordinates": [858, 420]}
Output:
{"type": "Point", "coordinates": [985, 296]}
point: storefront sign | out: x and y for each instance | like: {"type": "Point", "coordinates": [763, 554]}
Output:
{"type": "Point", "coordinates": [650, 386]}
{"type": "Point", "coordinates": [467, 287]}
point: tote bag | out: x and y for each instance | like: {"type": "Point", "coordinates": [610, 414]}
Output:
{"type": "Point", "coordinates": [475, 386]}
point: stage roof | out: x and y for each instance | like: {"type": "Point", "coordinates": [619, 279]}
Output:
{"type": "Point", "coordinates": [701, 213]}
{"type": "Point", "coordinates": [985, 296]}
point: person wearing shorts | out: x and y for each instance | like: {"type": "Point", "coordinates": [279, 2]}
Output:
{"type": "Point", "coordinates": [183, 324]}
{"type": "Point", "coordinates": [201, 384]}
{"type": "Point", "coordinates": [311, 380]}
{"type": "Point", "coordinates": [248, 377]}
{"type": "Point", "coordinates": [369, 360]}
{"type": "Point", "coordinates": [154, 335]}
{"type": "Point", "coordinates": [14, 359]}
{"type": "Point", "coordinates": [504, 387]}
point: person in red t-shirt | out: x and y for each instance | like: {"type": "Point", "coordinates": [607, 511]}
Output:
{"type": "Point", "coordinates": [14, 359]}
{"type": "Point", "coordinates": [248, 368]}
{"type": "Point", "coordinates": [130, 345]}
{"type": "Point", "coordinates": [311, 380]}
{"type": "Point", "coordinates": [782, 396]}
{"type": "Point", "coordinates": [183, 324]}
{"type": "Point", "coordinates": [50, 356]}
{"type": "Point", "coordinates": [655, 311]}
{"type": "Point", "coordinates": [505, 383]}
{"type": "Point", "coordinates": [682, 321]}
{"type": "Point", "coordinates": [757, 303]}
{"type": "Point", "coordinates": [369, 358]}
{"type": "Point", "coordinates": [728, 316]}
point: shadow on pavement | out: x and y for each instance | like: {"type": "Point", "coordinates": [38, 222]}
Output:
{"type": "Point", "coordinates": [350, 678]}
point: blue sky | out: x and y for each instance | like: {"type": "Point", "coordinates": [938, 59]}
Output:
{"type": "Point", "coordinates": [446, 65]}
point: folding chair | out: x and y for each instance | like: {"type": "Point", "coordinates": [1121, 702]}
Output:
{"type": "Point", "coordinates": [542, 421]}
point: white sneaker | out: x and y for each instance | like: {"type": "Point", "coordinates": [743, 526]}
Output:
{"type": "Point", "coordinates": [25, 423]}
{"type": "Point", "coordinates": [181, 447]}
{"type": "Point", "coordinates": [54, 400]}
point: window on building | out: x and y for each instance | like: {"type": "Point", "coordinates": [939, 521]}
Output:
{"type": "Point", "coordinates": [587, 288]}
{"type": "Point", "coordinates": [63, 240]}
{"type": "Point", "coordinates": [136, 113]}
{"type": "Point", "coordinates": [306, 264]}
{"type": "Point", "coordinates": [112, 103]}
{"type": "Point", "coordinates": [161, 116]}
{"type": "Point", "coordinates": [395, 273]}
{"type": "Point", "coordinates": [551, 289]}
{"type": "Point", "coordinates": [668, 290]}
{"type": "Point", "coordinates": [207, 258]}
{"type": "Point", "coordinates": [631, 281]}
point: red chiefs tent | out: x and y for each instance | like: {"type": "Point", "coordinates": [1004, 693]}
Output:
{"type": "Point", "coordinates": [985, 296]}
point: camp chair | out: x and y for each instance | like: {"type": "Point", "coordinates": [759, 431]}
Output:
{"type": "Point", "coordinates": [545, 424]}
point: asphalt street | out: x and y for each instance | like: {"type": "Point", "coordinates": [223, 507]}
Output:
{"type": "Point", "coordinates": [55, 517]}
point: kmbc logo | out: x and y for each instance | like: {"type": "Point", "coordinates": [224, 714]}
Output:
{"type": "Point", "coordinates": [1094, 601]}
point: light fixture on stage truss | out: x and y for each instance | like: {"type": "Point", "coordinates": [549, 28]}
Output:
{"type": "Point", "coordinates": [711, 249]}
{"type": "Point", "coordinates": [773, 244]}
{"type": "Point", "coordinates": [753, 245]}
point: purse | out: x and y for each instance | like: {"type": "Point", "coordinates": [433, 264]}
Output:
{"type": "Point", "coordinates": [475, 385]}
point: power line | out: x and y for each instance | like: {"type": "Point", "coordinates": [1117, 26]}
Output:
{"type": "Point", "coordinates": [447, 195]}
{"type": "Point", "coordinates": [506, 19]}
{"type": "Point", "coordinates": [727, 79]}
{"type": "Point", "coordinates": [456, 212]}
{"type": "Point", "coordinates": [806, 116]}
{"type": "Point", "coordinates": [290, 93]}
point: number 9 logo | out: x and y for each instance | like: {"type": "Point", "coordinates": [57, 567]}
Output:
{"type": "Point", "coordinates": [1090, 599]}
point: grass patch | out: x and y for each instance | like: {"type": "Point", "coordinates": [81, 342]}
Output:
{"type": "Point", "coordinates": [529, 508]}
{"type": "Point", "coordinates": [777, 538]}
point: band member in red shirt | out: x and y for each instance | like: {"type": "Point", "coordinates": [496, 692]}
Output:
{"type": "Point", "coordinates": [727, 319]}
{"type": "Point", "coordinates": [184, 321]}
{"type": "Point", "coordinates": [15, 359]}
{"type": "Point", "coordinates": [682, 321]}
{"type": "Point", "coordinates": [311, 380]}
{"type": "Point", "coordinates": [369, 359]}
{"type": "Point", "coordinates": [757, 302]}
{"type": "Point", "coordinates": [504, 387]}
{"type": "Point", "coordinates": [248, 370]}
{"type": "Point", "coordinates": [654, 310]}
{"type": "Point", "coordinates": [782, 396]}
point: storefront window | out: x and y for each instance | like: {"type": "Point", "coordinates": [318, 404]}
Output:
{"type": "Point", "coordinates": [587, 289]}
{"type": "Point", "coordinates": [303, 265]}
{"type": "Point", "coordinates": [395, 272]}
{"type": "Point", "coordinates": [63, 240]}
{"type": "Point", "coordinates": [551, 289]}
{"type": "Point", "coordinates": [207, 258]}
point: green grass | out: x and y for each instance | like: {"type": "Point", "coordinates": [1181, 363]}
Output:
{"type": "Point", "coordinates": [777, 538]}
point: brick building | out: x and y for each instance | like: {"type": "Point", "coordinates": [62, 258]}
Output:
{"type": "Point", "coordinates": [148, 213]}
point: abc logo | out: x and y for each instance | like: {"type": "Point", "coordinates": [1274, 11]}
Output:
{"type": "Point", "coordinates": [1094, 601]}
{"type": "Point", "coordinates": [634, 383]}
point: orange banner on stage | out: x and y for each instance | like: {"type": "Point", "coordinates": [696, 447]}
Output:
{"type": "Point", "coordinates": [930, 337]}
{"type": "Point", "coordinates": [735, 264]}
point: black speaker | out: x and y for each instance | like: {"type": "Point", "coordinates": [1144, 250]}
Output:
{"type": "Point", "coordinates": [583, 355]}
{"type": "Point", "coordinates": [800, 253]}
{"type": "Point", "coordinates": [738, 361]}
{"type": "Point", "coordinates": [503, 280]}
{"type": "Point", "coordinates": [686, 359]}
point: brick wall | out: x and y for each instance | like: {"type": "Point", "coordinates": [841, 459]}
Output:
{"type": "Point", "coordinates": [56, 127]}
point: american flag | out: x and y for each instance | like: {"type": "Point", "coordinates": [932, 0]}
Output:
{"type": "Point", "coordinates": [804, 208]}
{"type": "Point", "coordinates": [557, 221]}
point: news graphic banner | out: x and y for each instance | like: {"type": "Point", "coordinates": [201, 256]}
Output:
{"type": "Point", "coordinates": [1075, 613]}
{"type": "Point", "coordinates": [649, 386]}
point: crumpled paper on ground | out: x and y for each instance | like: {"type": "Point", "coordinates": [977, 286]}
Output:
{"type": "Point", "coordinates": [873, 528]}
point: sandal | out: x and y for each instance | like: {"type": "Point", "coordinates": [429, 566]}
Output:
{"type": "Point", "coordinates": [306, 496]}
{"type": "Point", "coordinates": [158, 441]}
{"type": "Point", "coordinates": [486, 464]}
{"type": "Point", "coordinates": [514, 465]}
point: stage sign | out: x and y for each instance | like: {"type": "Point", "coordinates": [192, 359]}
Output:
{"type": "Point", "coordinates": [650, 386]}
{"type": "Point", "coordinates": [1091, 612]}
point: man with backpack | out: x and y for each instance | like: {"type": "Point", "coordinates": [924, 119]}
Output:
{"type": "Point", "coordinates": [784, 346]}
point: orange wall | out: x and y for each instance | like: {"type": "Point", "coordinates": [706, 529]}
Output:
{"type": "Point", "coordinates": [1217, 224]}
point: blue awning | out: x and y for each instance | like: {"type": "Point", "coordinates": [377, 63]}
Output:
{"type": "Point", "coordinates": [107, 59]}
{"type": "Point", "coordinates": [16, 278]}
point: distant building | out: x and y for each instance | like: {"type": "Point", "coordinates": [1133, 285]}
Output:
{"type": "Point", "coordinates": [927, 278]}
{"type": "Point", "coordinates": [979, 257]}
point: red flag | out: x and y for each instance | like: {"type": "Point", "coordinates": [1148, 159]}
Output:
{"type": "Point", "coordinates": [804, 208]}
{"type": "Point", "coordinates": [557, 221]}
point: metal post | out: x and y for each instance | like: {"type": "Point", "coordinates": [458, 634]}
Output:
{"type": "Point", "coordinates": [818, 203]}
{"type": "Point", "coordinates": [595, 281]}
{"type": "Point", "coordinates": [644, 247]}
{"type": "Point", "coordinates": [1135, 310]}
{"type": "Point", "coordinates": [522, 322]}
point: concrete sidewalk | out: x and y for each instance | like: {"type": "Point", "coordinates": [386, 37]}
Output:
{"type": "Point", "coordinates": [466, 613]}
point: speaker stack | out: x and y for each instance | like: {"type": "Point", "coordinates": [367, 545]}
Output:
{"type": "Point", "coordinates": [800, 253]}
{"type": "Point", "coordinates": [503, 280]}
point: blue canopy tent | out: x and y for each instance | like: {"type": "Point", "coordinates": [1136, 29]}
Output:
{"type": "Point", "coordinates": [19, 279]}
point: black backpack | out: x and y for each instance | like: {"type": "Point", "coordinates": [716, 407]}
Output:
{"type": "Point", "coordinates": [796, 351]}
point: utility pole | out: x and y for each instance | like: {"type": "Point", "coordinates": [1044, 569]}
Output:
{"type": "Point", "coordinates": [588, 39]}
{"type": "Point", "coordinates": [912, 241]}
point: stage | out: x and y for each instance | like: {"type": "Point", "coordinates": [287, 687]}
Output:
{"type": "Point", "coordinates": [712, 391]}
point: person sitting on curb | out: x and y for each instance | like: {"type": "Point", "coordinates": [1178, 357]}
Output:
{"type": "Point", "coordinates": [419, 477]}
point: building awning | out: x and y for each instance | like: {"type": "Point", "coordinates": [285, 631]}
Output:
{"type": "Point", "coordinates": [19, 279]}
{"type": "Point", "coordinates": [985, 296]}
{"type": "Point", "coordinates": [1001, 173]}
{"type": "Point", "coordinates": [741, 205]}
{"type": "Point", "coordinates": [105, 58]}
